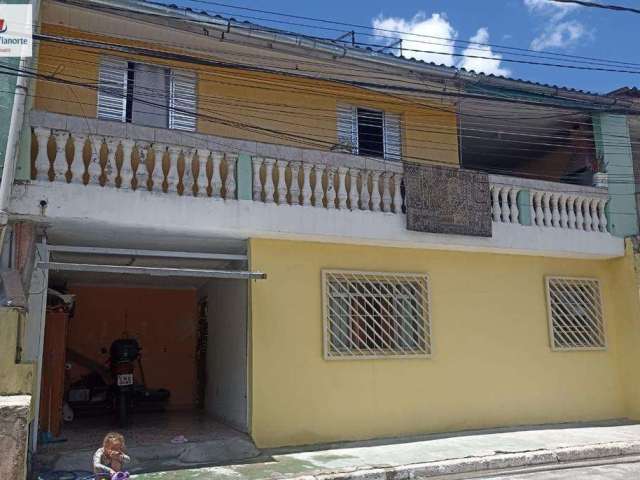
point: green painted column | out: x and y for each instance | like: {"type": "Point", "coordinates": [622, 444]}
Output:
{"type": "Point", "coordinates": [244, 177]}
{"type": "Point", "coordinates": [613, 145]}
{"type": "Point", "coordinates": [524, 207]}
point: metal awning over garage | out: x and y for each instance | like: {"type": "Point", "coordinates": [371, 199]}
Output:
{"type": "Point", "coordinates": [152, 263]}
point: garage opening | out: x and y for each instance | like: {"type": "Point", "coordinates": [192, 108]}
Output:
{"type": "Point", "coordinates": [150, 344]}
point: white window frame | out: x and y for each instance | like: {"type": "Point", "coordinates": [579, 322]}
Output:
{"type": "Point", "coordinates": [175, 120]}
{"type": "Point", "coordinates": [381, 353]}
{"type": "Point", "coordinates": [550, 320]}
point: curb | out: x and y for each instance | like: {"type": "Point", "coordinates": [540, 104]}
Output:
{"type": "Point", "coordinates": [478, 464]}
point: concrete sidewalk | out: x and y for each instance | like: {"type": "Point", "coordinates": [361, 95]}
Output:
{"type": "Point", "coordinates": [432, 455]}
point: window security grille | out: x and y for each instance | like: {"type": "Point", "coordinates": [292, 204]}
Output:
{"type": "Point", "coordinates": [575, 313]}
{"type": "Point", "coordinates": [375, 315]}
{"type": "Point", "coordinates": [369, 132]}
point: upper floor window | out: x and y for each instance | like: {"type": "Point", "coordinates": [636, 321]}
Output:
{"type": "Point", "coordinates": [370, 132]}
{"type": "Point", "coordinates": [144, 94]}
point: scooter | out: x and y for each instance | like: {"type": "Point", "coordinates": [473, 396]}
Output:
{"type": "Point", "coordinates": [122, 355]}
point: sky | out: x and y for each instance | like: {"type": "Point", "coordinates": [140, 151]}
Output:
{"type": "Point", "coordinates": [544, 26]}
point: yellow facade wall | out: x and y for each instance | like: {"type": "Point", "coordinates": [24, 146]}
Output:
{"type": "Point", "coordinates": [491, 365]}
{"type": "Point", "coordinates": [15, 378]}
{"type": "Point", "coordinates": [252, 106]}
{"type": "Point", "coordinates": [628, 312]}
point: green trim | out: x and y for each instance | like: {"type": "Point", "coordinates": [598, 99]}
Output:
{"type": "Point", "coordinates": [244, 177]}
{"type": "Point", "coordinates": [524, 207]}
{"type": "Point", "coordinates": [611, 136]}
{"type": "Point", "coordinates": [598, 135]}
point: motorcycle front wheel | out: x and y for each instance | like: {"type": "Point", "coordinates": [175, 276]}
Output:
{"type": "Point", "coordinates": [122, 410]}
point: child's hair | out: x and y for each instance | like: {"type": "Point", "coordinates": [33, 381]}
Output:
{"type": "Point", "coordinates": [112, 437]}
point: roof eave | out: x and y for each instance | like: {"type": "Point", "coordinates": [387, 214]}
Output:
{"type": "Point", "coordinates": [284, 38]}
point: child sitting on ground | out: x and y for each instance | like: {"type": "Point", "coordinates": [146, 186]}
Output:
{"type": "Point", "coordinates": [110, 459]}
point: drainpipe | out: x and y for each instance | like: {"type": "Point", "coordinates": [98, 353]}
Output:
{"type": "Point", "coordinates": [13, 139]}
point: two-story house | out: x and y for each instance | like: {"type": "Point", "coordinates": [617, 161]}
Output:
{"type": "Point", "coordinates": [315, 242]}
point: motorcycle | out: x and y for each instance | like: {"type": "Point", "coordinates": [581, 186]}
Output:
{"type": "Point", "coordinates": [115, 388]}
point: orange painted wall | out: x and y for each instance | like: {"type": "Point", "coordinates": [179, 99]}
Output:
{"type": "Point", "coordinates": [163, 321]}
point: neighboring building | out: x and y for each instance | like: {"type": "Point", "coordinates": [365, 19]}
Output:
{"type": "Point", "coordinates": [190, 156]}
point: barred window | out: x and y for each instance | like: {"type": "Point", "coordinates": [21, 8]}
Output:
{"type": "Point", "coordinates": [372, 315]}
{"type": "Point", "coordinates": [575, 313]}
{"type": "Point", "coordinates": [364, 131]}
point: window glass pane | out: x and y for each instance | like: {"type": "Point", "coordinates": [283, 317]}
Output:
{"type": "Point", "coordinates": [370, 132]}
{"type": "Point", "coordinates": [150, 102]}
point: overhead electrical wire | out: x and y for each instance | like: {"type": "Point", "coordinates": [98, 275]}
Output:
{"type": "Point", "coordinates": [510, 171]}
{"type": "Point", "coordinates": [330, 114]}
{"type": "Point", "coordinates": [494, 181]}
{"type": "Point", "coordinates": [288, 89]}
{"type": "Point", "coordinates": [373, 86]}
{"type": "Point", "coordinates": [605, 6]}
{"type": "Point", "coordinates": [306, 89]}
{"type": "Point", "coordinates": [455, 54]}
{"type": "Point", "coordinates": [400, 98]}
{"type": "Point", "coordinates": [437, 94]}
{"type": "Point", "coordinates": [467, 128]}
{"type": "Point", "coordinates": [432, 106]}
{"type": "Point", "coordinates": [414, 36]}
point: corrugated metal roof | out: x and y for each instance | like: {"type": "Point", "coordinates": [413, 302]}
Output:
{"type": "Point", "coordinates": [625, 92]}
{"type": "Point", "coordinates": [454, 71]}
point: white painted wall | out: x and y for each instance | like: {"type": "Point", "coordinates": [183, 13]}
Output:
{"type": "Point", "coordinates": [226, 390]}
{"type": "Point", "coordinates": [37, 305]}
{"type": "Point", "coordinates": [34, 334]}
{"type": "Point", "coordinates": [87, 208]}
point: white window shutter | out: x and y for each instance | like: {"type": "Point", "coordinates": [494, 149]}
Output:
{"type": "Point", "coordinates": [392, 136]}
{"type": "Point", "coordinates": [183, 100]}
{"type": "Point", "coordinates": [347, 126]}
{"type": "Point", "coordinates": [112, 89]}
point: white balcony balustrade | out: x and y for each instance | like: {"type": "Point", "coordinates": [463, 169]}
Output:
{"type": "Point", "coordinates": [132, 158]}
{"type": "Point", "coordinates": [130, 164]}
{"type": "Point", "coordinates": [548, 204]}
{"type": "Point", "coordinates": [294, 183]}
{"type": "Point", "coordinates": [133, 165]}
